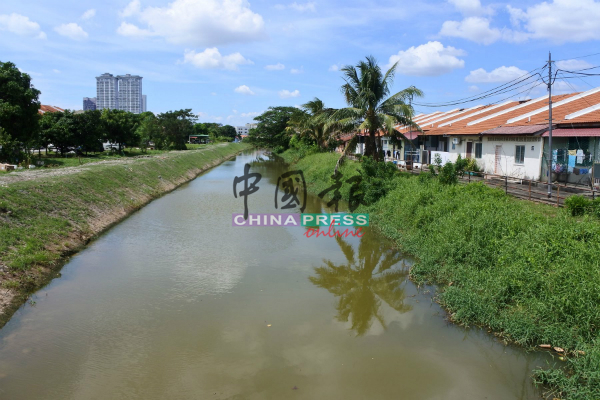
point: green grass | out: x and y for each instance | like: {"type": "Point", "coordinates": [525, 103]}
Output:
{"type": "Point", "coordinates": [529, 272]}
{"type": "Point", "coordinates": [43, 219]}
{"type": "Point", "coordinates": [54, 160]}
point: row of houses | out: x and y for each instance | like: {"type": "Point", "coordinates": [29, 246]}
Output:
{"type": "Point", "coordinates": [511, 138]}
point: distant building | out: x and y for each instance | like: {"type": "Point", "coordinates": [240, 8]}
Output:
{"type": "Point", "coordinates": [251, 126]}
{"type": "Point", "coordinates": [122, 92]}
{"type": "Point", "coordinates": [44, 109]}
{"type": "Point", "coordinates": [144, 103]}
{"type": "Point", "coordinates": [241, 130]}
{"type": "Point", "coordinates": [130, 93]}
{"type": "Point", "coordinates": [89, 103]}
{"type": "Point", "coordinates": [107, 92]}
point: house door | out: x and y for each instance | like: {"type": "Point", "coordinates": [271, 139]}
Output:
{"type": "Point", "coordinates": [469, 149]}
{"type": "Point", "coordinates": [497, 167]}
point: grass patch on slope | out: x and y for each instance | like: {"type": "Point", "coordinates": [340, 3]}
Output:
{"type": "Point", "coordinates": [528, 271]}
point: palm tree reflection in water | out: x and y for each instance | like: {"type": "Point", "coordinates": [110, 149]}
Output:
{"type": "Point", "coordinates": [361, 285]}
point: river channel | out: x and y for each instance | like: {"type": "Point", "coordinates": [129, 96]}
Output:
{"type": "Point", "coordinates": [175, 303]}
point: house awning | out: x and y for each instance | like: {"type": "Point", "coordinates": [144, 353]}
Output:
{"type": "Point", "coordinates": [561, 132]}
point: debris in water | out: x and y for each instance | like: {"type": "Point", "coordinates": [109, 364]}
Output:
{"type": "Point", "coordinates": [559, 350]}
{"type": "Point", "coordinates": [545, 346]}
{"type": "Point", "coordinates": [295, 388]}
{"type": "Point", "coordinates": [269, 325]}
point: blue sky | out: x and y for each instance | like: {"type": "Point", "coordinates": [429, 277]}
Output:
{"type": "Point", "coordinates": [230, 60]}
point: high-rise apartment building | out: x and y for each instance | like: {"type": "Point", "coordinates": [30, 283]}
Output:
{"type": "Point", "coordinates": [89, 103]}
{"type": "Point", "coordinates": [130, 93]}
{"type": "Point", "coordinates": [122, 92]}
{"type": "Point", "coordinates": [107, 92]}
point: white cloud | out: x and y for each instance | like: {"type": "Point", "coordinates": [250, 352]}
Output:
{"type": "Point", "coordinates": [275, 67]}
{"type": "Point", "coordinates": [473, 88]}
{"type": "Point", "coordinates": [470, 7]}
{"type": "Point", "coordinates": [243, 90]}
{"type": "Point", "coordinates": [56, 71]}
{"type": "Point", "coordinates": [21, 25]}
{"type": "Point", "coordinates": [573, 64]}
{"type": "Point", "coordinates": [201, 114]}
{"type": "Point", "coordinates": [499, 75]}
{"type": "Point", "coordinates": [132, 8]}
{"type": "Point", "coordinates": [476, 29]}
{"type": "Point", "coordinates": [334, 68]}
{"type": "Point", "coordinates": [211, 58]}
{"type": "Point", "coordinates": [130, 30]}
{"type": "Point", "coordinates": [249, 114]}
{"type": "Point", "coordinates": [301, 7]}
{"type": "Point", "coordinates": [213, 94]}
{"type": "Point", "coordinates": [560, 21]}
{"type": "Point", "coordinates": [430, 59]}
{"type": "Point", "coordinates": [297, 70]}
{"type": "Point", "coordinates": [72, 31]}
{"type": "Point", "coordinates": [286, 94]}
{"type": "Point", "coordinates": [199, 22]}
{"type": "Point", "coordinates": [89, 14]}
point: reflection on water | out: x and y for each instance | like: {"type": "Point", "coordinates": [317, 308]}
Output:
{"type": "Point", "coordinates": [175, 303]}
{"type": "Point", "coordinates": [363, 282]}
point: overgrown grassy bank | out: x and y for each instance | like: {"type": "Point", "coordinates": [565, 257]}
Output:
{"type": "Point", "coordinates": [52, 215]}
{"type": "Point", "coordinates": [529, 272]}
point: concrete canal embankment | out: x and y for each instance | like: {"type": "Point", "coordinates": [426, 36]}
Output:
{"type": "Point", "coordinates": [47, 215]}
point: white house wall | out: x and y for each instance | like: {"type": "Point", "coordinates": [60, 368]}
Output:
{"type": "Point", "coordinates": [530, 169]}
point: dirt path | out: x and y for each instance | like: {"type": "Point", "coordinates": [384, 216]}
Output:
{"type": "Point", "coordinates": [41, 173]}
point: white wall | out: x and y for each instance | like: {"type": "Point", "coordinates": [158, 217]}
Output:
{"type": "Point", "coordinates": [530, 169]}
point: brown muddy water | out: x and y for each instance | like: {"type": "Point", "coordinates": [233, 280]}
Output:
{"type": "Point", "coordinates": [175, 303]}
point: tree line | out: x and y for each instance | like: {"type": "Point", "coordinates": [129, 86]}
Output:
{"type": "Point", "coordinates": [371, 111]}
{"type": "Point", "coordinates": [22, 128]}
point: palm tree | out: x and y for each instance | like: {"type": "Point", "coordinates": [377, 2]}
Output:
{"type": "Point", "coordinates": [362, 285]}
{"type": "Point", "coordinates": [370, 108]}
{"type": "Point", "coordinates": [312, 122]}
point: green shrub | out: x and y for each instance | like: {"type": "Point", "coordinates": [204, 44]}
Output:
{"type": "Point", "coordinates": [578, 205]}
{"type": "Point", "coordinates": [448, 175]}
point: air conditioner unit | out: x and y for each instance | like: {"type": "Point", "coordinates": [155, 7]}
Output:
{"type": "Point", "coordinates": [456, 140]}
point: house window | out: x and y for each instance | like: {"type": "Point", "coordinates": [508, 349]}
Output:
{"type": "Point", "coordinates": [520, 155]}
{"type": "Point", "coordinates": [478, 150]}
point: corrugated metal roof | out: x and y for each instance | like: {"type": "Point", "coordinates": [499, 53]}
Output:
{"type": "Point", "coordinates": [574, 132]}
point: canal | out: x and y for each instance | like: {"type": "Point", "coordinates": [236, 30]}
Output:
{"type": "Point", "coordinates": [175, 303]}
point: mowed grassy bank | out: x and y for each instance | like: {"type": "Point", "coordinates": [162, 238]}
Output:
{"type": "Point", "coordinates": [52, 215]}
{"type": "Point", "coordinates": [528, 272]}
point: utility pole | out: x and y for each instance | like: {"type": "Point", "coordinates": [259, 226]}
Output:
{"type": "Point", "coordinates": [549, 125]}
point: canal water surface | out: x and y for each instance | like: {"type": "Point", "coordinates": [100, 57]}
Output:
{"type": "Point", "coordinates": [175, 303]}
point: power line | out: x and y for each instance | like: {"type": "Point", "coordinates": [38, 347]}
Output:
{"type": "Point", "coordinates": [504, 88]}
{"type": "Point", "coordinates": [575, 58]}
{"type": "Point", "coordinates": [529, 86]}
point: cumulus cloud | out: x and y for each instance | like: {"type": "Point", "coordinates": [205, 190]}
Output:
{"type": "Point", "coordinates": [476, 29]}
{"type": "Point", "coordinates": [275, 67]}
{"type": "Point", "coordinates": [198, 22]}
{"type": "Point", "coordinates": [130, 30]}
{"type": "Point", "coordinates": [470, 7]}
{"type": "Point", "coordinates": [132, 8]}
{"type": "Point", "coordinates": [56, 71]}
{"type": "Point", "coordinates": [21, 25]}
{"type": "Point", "coordinates": [249, 114]}
{"type": "Point", "coordinates": [286, 94]}
{"type": "Point", "coordinates": [430, 59]}
{"type": "Point", "coordinates": [72, 31]}
{"type": "Point", "coordinates": [212, 59]}
{"type": "Point", "coordinates": [473, 89]}
{"type": "Point", "coordinates": [89, 14]}
{"type": "Point", "coordinates": [559, 21]}
{"type": "Point", "coordinates": [243, 90]}
{"type": "Point", "coordinates": [499, 75]}
{"type": "Point", "coordinates": [334, 68]}
{"type": "Point", "coordinates": [573, 64]}
{"type": "Point", "coordinates": [297, 70]}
